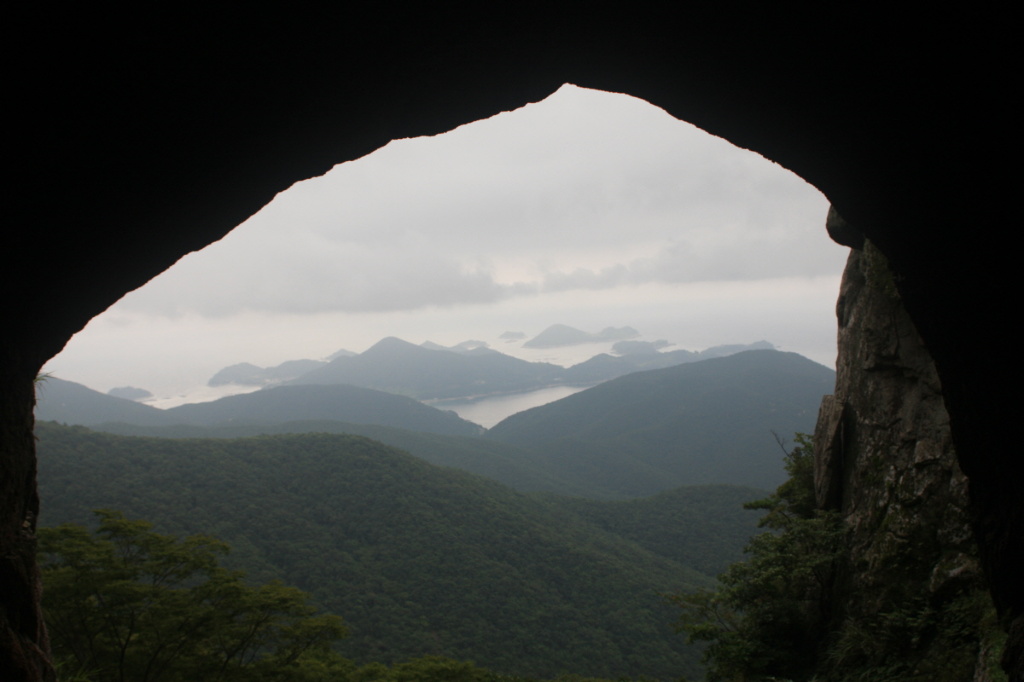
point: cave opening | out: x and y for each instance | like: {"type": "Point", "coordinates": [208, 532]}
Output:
{"type": "Point", "coordinates": [589, 209]}
{"type": "Point", "coordinates": [874, 110]}
{"type": "Point", "coordinates": [614, 254]}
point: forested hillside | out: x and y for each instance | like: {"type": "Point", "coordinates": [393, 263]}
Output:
{"type": "Point", "coordinates": [513, 466]}
{"type": "Point", "coordinates": [417, 559]}
{"type": "Point", "coordinates": [698, 526]}
{"type": "Point", "coordinates": [704, 422]}
{"type": "Point", "coordinates": [71, 403]}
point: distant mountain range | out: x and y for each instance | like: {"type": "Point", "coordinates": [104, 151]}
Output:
{"type": "Point", "coordinates": [637, 356]}
{"type": "Point", "coordinates": [469, 370]}
{"type": "Point", "coordinates": [400, 367]}
{"type": "Point", "coordinates": [696, 423]}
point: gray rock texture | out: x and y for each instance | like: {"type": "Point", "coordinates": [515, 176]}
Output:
{"type": "Point", "coordinates": [884, 458]}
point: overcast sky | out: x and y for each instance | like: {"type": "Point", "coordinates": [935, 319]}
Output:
{"type": "Point", "coordinates": [589, 209]}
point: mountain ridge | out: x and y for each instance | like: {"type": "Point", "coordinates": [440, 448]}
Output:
{"type": "Point", "coordinates": [697, 423]}
{"type": "Point", "coordinates": [648, 431]}
{"type": "Point", "coordinates": [68, 402]}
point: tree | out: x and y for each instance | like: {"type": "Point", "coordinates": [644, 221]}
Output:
{"type": "Point", "coordinates": [764, 621]}
{"type": "Point", "coordinates": [126, 603]}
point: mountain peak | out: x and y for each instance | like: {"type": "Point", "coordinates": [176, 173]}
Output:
{"type": "Point", "coordinates": [390, 344]}
{"type": "Point", "coordinates": [563, 335]}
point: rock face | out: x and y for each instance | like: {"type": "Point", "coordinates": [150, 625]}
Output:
{"type": "Point", "coordinates": [885, 460]}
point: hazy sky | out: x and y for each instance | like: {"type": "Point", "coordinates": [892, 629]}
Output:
{"type": "Point", "coordinates": [589, 209]}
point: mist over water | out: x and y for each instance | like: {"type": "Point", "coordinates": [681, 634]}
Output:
{"type": "Point", "coordinates": [198, 394]}
{"type": "Point", "coordinates": [489, 411]}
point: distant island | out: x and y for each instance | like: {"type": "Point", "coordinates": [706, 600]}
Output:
{"type": "Point", "coordinates": [130, 393]}
{"type": "Point", "coordinates": [247, 374]}
{"type": "Point", "coordinates": [559, 335]}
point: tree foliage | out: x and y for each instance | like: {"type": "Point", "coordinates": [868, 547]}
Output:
{"type": "Point", "coordinates": [763, 621]}
{"type": "Point", "coordinates": [127, 603]}
{"type": "Point", "coordinates": [442, 669]}
{"type": "Point", "coordinates": [419, 560]}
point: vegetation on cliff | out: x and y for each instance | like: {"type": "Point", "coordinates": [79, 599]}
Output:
{"type": "Point", "coordinates": [781, 613]}
{"type": "Point", "coordinates": [766, 619]}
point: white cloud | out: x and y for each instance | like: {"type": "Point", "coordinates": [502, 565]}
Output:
{"type": "Point", "coordinates": [585, 190]}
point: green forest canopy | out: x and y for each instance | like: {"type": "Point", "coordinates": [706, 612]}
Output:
{"type": "Point", "coordinates": [421, 560]}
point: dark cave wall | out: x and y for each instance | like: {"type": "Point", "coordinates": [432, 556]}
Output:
{"type": "Point", "coordinates": [139, 138]}
{"type": "Point", "coordinates": [22, 634]}
{"type": "Point", "coordinates": [155, 140]}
